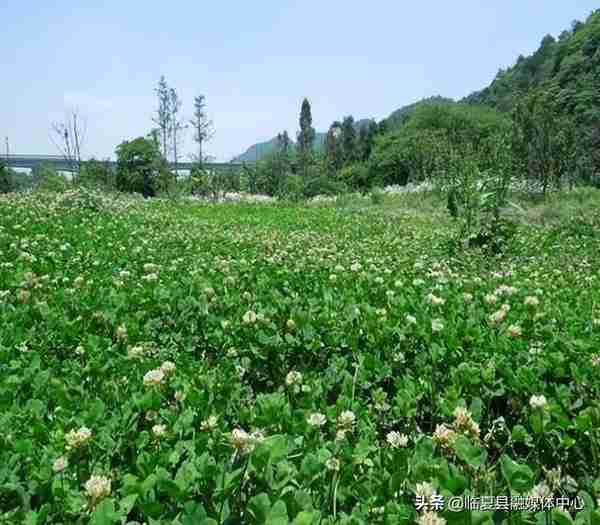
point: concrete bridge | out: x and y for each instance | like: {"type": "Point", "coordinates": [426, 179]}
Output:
{"type": "Point", "coordinates": [61, 164]}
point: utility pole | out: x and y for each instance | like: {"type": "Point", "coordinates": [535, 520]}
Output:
{"type": "Point", "coordinates": [7, 152]}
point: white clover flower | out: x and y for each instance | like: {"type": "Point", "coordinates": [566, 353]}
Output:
{"type": "Point", "coordinates": [498, 316]}
{"type": "Point", "coordinates": [121, 332]}
{"type": "Point", "coordinates": [159, 430]}
{"type": "Point", "coordinates": [239, 437]}
{"type": "Point", "coordinates": [490, 298]}
{"type": "Point", "coordinates": [257, 436]}
{"type": "Point", "coordinates": [293, 378]}
{"type": "Point", "coordinates": [242, 441]}
{"type": "Point", "coordinates": [464, 423]}
{"type": "Point", "coordinates": [180, 396]}
{"type": "Point", "coordinates": [430, 518]}
{"type": "Point", "coordinates": [316, 419]}
{"type": "Point", "coordinates": [540, 492]}
{"type": "Point", "coordinates": [151, 268]}
{"type": "Point", "coordinates": [411, 319]}
{"type": "Point", "coordinates": [209, 424]}
{"type": "Point", "coordinates": [60, 464]}
{"type": "Point", "coordinates": [514, 331]}
{"type": "Point", "coordinates": [434, 300]}
{"type": "Point", "coordinates": [467, 297]}
{"type": "Point", "coordinates": [437, 325]}
{"type": "Point", "coordinates": [355, 267]}
{"type": "Point", "coordinates": [290, 324]}
{"type": "Point", "coordinates": [154, 377]}
{"type": "Point", "coordinates": [425, 491]}
{"type": "Point", "coordinates": [340, 435]}
{"type": "Point", "coordinates": [346, 419]}
{"type": "Point", "coordinates": [381, 312]}
{"type": "Point", "coordinates": [553, 477]}
{"type": "Point", "coordinates": [505, 290]}
{"type": "Point", "coordinates": [444, 436]}
{"type": "Point", "coordinates": [536, 348]}
{"type": "Point", "coordinates": [333, 464]}
{"type": "Point", "coordinates": [531, 300]}
{"type": "Point", "coordinates": [77, 438]}
{"type": "Point", "coordinates": [168, 367]}
{"type": "Point", "coordinates": [538, 402]}
{"type": "Point", "coordinates": [97, 487]}
{"type": "Point", "coordinates": [136, 352]}
{"type": "Point", "coordinates": [596, 360]}
{"type": "Point", "coordinates": [250, 317]}
{"type": "Point", "coordinates": [209, 292]}
{"type": "Point", "coordinates": [396, 439]}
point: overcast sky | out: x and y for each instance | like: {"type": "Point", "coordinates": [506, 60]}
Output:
{"type": "Point", "coordinates": [253, 60]}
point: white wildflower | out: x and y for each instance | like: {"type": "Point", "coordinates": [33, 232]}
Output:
{"type": "Point", "coordinates": [396, 439]}
{"type": "Point", "coordinates": [97, 487]}
{"type": "Point", "coordinates": [154, 377]}
{"type": "Point", "coordinates": [538, 402]}
{"type": "Point", "coordinates": [316, 419]}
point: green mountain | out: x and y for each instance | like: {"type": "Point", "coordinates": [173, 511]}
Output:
{"type": "Point", "coordinates": [264, 149]}
{"type": "Point", "coordinates": [568, 68]}
{"type": "Point", "coordinates": [257, 151]}
{"type": "Point", "coordinates": [400, 116]}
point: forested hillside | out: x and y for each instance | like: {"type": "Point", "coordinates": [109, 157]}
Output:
{"type": "Point", "coordinates": [558, 87]}
{"type": "Point", "coordinates": [567, 67]}
{"type": "Point", "coordinates": [565, 74]}
{"type": "Point", "coordinates": [262, 150]}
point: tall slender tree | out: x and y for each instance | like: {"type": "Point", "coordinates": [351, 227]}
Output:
{"type": "Point", "coordinates": [333, 148]}
{"type": "Point", "coordinates": [202, 125]}
{"type": "Point", "coordinates": [366, 139]}
{"type": "Point", "coordinates": [68, 136]}
{"type": "Point", "coordinates": [5, 179]}
{"type": "Point", "coordinates": [163, 114]}
{"type": "Point", "coordinates": [283, 143]}
{"type": "Point", "coordinates": [282, 156]}
{"type": "Point", "coordinates": [175, 125]}
{"type": "Point", "coordinates": [349, 145]}
{"type": "Point", "coordinates": [306, 137]}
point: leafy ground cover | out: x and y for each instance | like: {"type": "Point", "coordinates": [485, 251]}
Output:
{"type": "Point", "coordinates": [200, 364]}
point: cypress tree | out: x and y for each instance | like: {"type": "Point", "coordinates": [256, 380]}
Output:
{"type": "Point", "coordinates": [306, 136]}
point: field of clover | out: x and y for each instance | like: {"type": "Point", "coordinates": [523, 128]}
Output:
{"type": "Point", "coordinates": [181, 363]}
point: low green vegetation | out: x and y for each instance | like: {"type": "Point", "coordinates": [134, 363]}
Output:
{"type": "Point", "coordinates": [172, 362]}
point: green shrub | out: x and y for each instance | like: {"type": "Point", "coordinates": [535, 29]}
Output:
{"type": "Point", "coordinates": [377, 196]}
{"type": "Point", "coordinates": [359, 176]}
